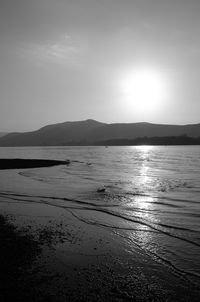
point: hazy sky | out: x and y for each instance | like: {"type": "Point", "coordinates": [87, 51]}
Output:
{"type": "Point", "coordinates": [69, 59]}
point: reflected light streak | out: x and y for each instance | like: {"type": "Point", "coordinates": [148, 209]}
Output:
{"type": "Point", "coordinates": [145, 203]}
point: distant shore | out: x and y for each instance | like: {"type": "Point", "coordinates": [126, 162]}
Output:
{"type": "Point", "coordinates": [181, 140]}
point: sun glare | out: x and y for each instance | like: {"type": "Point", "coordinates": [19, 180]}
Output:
{"type": "Point", "coordinates": [144, 90]}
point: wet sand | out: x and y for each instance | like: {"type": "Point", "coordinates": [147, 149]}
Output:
{"type": "Point", "coordinates": [50, 253]}
{"type": "Point", "coordinates": [54, 257]}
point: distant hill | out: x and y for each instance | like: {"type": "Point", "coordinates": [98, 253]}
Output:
{"type": "Point", "coordinates": [52, 135]}
{"type": "Point", "coordinates": [2, 133]}
{"type": "Point", "coordinates": [91, 132]}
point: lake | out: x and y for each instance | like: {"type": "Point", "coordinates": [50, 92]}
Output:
{"type": "Point", "coordinates": [150, 195]}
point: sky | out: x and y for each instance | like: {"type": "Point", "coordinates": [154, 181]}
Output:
{"type": "Point", "coordinates": [110, 60]}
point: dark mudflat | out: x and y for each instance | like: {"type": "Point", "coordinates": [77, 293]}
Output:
{"type": "Point", "coordinates": [17, 253]}
{"type": "Point", "coordinates": [30, 270]}
{"type": "Point", "coordinates": [18, 163]}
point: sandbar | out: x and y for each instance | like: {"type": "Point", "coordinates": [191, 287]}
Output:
{"type": "Point", "coordinates": [19, 163]}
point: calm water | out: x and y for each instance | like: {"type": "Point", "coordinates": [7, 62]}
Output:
{"type": "Point", "coordinates": [152, 195]}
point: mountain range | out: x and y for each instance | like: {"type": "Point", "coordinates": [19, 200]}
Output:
{"type": "Point", "coordinates": [91, 132]}
{"type": "Point", "coordinates": [2, 134]}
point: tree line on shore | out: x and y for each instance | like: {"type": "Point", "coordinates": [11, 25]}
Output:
{"type": "Point", "coordinates": [155, 141]}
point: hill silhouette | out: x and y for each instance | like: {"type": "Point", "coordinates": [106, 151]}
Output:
{"type": "Point", "coordinates": [2, 134]}
{"type": "Point", "coordinates": [91, 132]}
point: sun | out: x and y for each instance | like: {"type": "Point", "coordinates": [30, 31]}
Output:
{"type": "Point", "coordinates": [143, 89]}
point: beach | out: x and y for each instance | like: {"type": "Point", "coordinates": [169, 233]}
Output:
{"type": "Point", "coordinates": [60, 248]}
{"type": "Point", "coordinates": [61, 260]}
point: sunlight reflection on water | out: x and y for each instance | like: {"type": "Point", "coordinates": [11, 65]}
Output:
{"type": "Point", "coordinates": [145, 203]}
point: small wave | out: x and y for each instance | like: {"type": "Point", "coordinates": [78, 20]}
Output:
{"type": "Point", "coordinates": [179, 272]}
